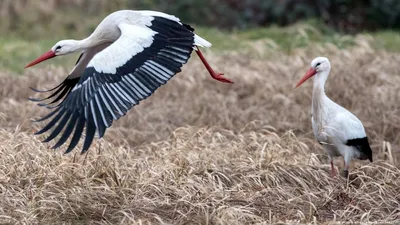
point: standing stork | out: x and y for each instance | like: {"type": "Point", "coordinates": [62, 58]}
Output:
{"type": "Point", "coordinates": [127, 57]}
{"type": "Point", "coordinates": [339, 131]}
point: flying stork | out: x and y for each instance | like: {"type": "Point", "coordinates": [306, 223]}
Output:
{"type": "Point", "coordinates": [339, 131]}
{"type": "Point", "coordinates": [127, 57]}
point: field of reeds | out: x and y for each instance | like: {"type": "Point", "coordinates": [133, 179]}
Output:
{"type": "Point", "coordinates": [203, 152]}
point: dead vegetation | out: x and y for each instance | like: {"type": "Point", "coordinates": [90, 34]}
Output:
{"type": "Point", "coordinates": [202, 152]}
{"type": "Point", "coordinates": [33, 18]}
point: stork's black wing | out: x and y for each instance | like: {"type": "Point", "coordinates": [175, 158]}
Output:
{"type": "Point", "coordinates": [117, 78]}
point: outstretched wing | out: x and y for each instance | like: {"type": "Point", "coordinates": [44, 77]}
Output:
{"type": "Point", "coordinates": [119, 77]}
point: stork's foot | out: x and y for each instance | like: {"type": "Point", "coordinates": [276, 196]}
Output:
{"type": "Point", "coordinates": [220, 77]}
{"type": "Point", "coordinates": [216, 76]}
{"type": "Point", "coordinates": [333, 173]}
{"type": "Point", "coordinates": [346, 174]}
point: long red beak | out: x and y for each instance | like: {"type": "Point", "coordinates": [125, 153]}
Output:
{"type": "Point", "coordinates": [48, 55]}
{"type": "Point", "coordinates": [311, 72]}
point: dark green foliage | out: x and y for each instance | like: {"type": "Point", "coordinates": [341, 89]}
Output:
{"type": "Point", "coordinates": [27, 16]}
{"type": "Point", "coordinates": [385, 13]}
{"type": "Point", "coordinates": [344, 15]}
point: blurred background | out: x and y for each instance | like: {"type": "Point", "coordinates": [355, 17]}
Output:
{"type": "Point", "coordinates": [256, 29]}
{"type": "Point", "coordinates": [233, 154]}
{"type": "Point", "coordinates": [45, 21]}
{"type": "Point", "coordinates": [243, 32]}
{"type": "Point", "coordinates": [343, 15]}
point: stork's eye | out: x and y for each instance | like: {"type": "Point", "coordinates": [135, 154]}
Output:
{"type": "Point", "coordinates": [317, 64]}
{"type": "Point", "coordinates": [58, 47]}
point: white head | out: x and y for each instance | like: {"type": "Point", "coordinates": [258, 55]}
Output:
{"type": "Point", "coordinates": [61, 48]}
{"type": "Point", "coordinates": [65, 47]}
{"type": "Point", "coordinates": [320, 66]}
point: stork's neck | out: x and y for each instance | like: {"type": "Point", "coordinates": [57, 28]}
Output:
{"type": "Point", "coordinates": [87, 43]}
{"type": "Point", "coordinates": [319, 82]}
{"type": "Point", "coordinates": [104, 33]}
{"type": "Point", "coordinates": [319, 96]}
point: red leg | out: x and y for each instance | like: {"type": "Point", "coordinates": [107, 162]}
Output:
{"type": "Point", "coordinates": [333, 171]}
{"type": "Point", "coordinates": [216, 76]}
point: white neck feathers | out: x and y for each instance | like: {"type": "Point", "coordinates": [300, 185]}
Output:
{"type": "Point", "coordinates": [319, 95]}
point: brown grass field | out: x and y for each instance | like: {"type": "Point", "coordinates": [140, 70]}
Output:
{"type": "Point", "coordinates": [202, 152]}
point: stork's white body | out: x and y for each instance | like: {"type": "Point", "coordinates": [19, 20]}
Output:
{"type": "Point", "coordinates": [129, 33]}
{"type": "Point", "coordinates": [339, 131]}
{"type": "Point", "coordinates": [333, 125]}
{"type": "Point", "coordinates": [109, 28]}
{"type": "Point", "coordinates": [127, 57]}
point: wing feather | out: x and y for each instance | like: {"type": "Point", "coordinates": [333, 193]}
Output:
{"type": "Point", "coordinates": [117, 78]}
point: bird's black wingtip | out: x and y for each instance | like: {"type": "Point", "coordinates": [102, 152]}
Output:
{"type": "Point", "coordinates": [39, 132]}
{"type": "Point", "coordinates": [43, 104]}
{"type": "Point", "coordinates": [37, 90]}
{"type": "Point", "coordinates": [35, 99]}
{"type": "Point", "coordinates": [67, 151]}
{"type": "Point", "coordinates": [362, 145]}
{"type": "Point", "coordinates": [84, 151]}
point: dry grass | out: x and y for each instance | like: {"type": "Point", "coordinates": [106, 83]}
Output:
{"type": "Point", "coordinates": [201, 152]}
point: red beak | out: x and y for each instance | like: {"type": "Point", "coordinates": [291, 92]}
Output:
{"type": "Point", "coordinates": [48, 55]}
{"type": "Point", "coordinates": [311, 72]}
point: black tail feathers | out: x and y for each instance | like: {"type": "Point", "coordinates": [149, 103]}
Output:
{"type": "Point", "coordinates": [362, 145]}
